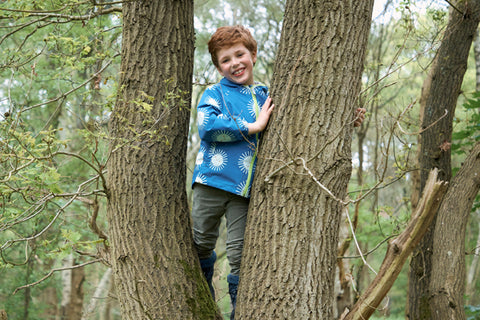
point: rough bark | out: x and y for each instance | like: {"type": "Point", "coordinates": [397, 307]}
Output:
{"type": "Point", "coordinates": [399, 250]}
{"type": "Point", "coordinates": [438, 101]}
{"type": "Point", "coordinates": [447, 285]}
{"type": "Point", "coordinates": [476, 52]}
{"type": "Point", "coordinates": [156, 272]}
{"type": "Point", "coordinates": [292, 233]}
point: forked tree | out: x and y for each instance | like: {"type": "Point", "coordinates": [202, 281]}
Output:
{"type": "Point", "coordinates": [440, 93]}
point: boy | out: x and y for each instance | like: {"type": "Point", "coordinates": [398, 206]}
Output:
{"type": "Point", "coordinates": [230, 120]}
{"type": "Point", "coordinates": [231, 114]}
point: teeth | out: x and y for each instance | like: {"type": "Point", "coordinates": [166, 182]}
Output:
{"type": "Point", "coordinates": [238, 71]}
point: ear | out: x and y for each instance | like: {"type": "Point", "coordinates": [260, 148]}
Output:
{"type": "Point", "coordinates": [254, 57]}
{"type": "Point", "coordinates": [220, 71]}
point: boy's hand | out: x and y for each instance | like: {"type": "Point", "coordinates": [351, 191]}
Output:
{"type": "Point", "coordinates": [359, 117]}
{"type": "Point", "coordinates": [262, 120]}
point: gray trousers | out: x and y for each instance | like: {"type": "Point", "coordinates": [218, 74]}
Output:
{"type": "Point", "coordinates": [209, 206]}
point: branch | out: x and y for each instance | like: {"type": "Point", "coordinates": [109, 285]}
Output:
{"type": "Point", "coordinates": [399, 249]}
{"type": "Point", "coordinates": [54, 14]}
{"type": "Point", "coordinates": [72, 90]}
{"type": "Point", "coordinates": [77, 18]}
{"type": "Point", "coordinates": [74, 197]}
{"type": "Point", "coordinates": [53, 271]}
{"type": "Point", "coordinates": [454, 7]}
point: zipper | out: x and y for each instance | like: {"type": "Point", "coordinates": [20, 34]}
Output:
{"type": "Point", "coordinates": [250, 170]}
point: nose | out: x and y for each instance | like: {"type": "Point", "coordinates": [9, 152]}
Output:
{"type": "Point", "coordinates": [235, 62]}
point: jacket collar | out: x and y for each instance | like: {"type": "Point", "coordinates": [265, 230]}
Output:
{"type": "Point", "coordinates": [229, 83]}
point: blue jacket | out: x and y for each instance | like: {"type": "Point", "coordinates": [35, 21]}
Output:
{"type": "Point", "coordinates": [228, 155]}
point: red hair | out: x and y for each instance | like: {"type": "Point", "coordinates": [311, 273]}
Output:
{"type": "Point", "coordinates": [226, 37]}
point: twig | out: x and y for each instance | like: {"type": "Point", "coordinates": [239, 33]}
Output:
{"type": "Point", "coordinates": [72, 90]}
{"type": "Point", "coordinates": [422, 130]}
{"type": "Point", "coordinates": [357, 245]}
{"type": "Point", "coordinates": [78, 18]}
{"type": "Point", "coordinates": [53, 271]}
{"type": "Point", "coordinates": [370, 251]}
{"type": "Point", "coordinates": [49, 196]}
{"type": "Point", "coordinates": [454, 7]}
{"type": "Point", "coordinates": [343, 202]}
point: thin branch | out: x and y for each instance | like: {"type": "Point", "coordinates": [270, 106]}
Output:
{"type": "Point", "coordinates": [366, 254]}
{"type": "Point", "coordinates": [343, 202]}
{"type": "Point", "coordinates": [70, 201]}
{"type": "Point", "coordinates": [53, 271]}
{"type": "Point", "coordinates": [72, 90]}
{"type": "Point", "coordinates": [39, 205]}
{"type": "Point", "coordinates": [357, 245]}
{"type": "Point", "coordinates": [454, 7]}
{"type": "Point", "coordinates": [422, 130]}
{"type": "Point", "coordinates": [54, 14]}
{"type": "Point", "coordinates": [85, 17]}
{"type": "Point", "coordinates": [38, 11]}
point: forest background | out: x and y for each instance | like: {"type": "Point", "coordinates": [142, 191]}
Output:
{"type": "Point", "coordinates": [58, 86]}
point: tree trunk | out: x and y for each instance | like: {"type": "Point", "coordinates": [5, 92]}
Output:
{"type": "Point", "coordinates": [292, 233]}
{"type": "Point", "coordinates": [100, 292]}
{"type": "Point", "coordinates": [447, 285]}
{"type": "Point", "coordinates": [156, 271]}
{"type": "Point", "coordinates": [476, 52]}
{"type": "Point", "coordinates": [438, 101]}
{"type": "Point", "coordinates": [49, 299]}
{"type": "Point", "coordinates": [72, 294]}
{"type": "Point", "coordinates": [27, 295]}
{"type": "Point", "coordinates": [472, 271]}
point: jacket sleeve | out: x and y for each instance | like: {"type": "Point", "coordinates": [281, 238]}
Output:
{"type": "Point", "coordinates": [215, 123]}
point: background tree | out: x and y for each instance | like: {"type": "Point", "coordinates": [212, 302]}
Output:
{"type": "Point", "coordinates": [447, 291]}
{"type": "Point", "coordinates": [292, 235]}
{"type": "Point", "coordinates": [438, 102]}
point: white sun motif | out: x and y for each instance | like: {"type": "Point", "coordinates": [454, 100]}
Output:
{"type": "Point", "coordinates": [201, 179]}
{"type": "Point", "coordinates": [213, 102]}
{"type": "Point", "coordinates": [245, 90]}
{"type": "Point", "coordinates": [199, 159]}
{"type": "Point", "coordinates": [260, 91]}
{"type": "Point", "coordinates": [202, 119]}
{"type": "Point", "coordinates": [218, 160]}
{"type": "Point", "coordinates": [252, 109]}
{"type": "Point", "coordinates": [242, 189]}
{"type": "Point", "coordinates": [243, 124]}
{"type": "Point", "coordinates": [212, 87]}
{"type": "Point", "coordinates": [245, 161]}
{"type": "Point", "coordinates": [223, 136]}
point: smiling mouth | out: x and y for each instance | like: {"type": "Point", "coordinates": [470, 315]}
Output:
{"type": "Point", "coordinates": [238, 72]}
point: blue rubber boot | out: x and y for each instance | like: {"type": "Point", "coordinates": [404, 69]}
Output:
{"type": "Point", "coordinates": [207, 266]}
{"type": "Point", "coordinates": [232, 290]}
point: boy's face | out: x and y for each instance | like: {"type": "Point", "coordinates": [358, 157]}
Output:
{"type": "Point", "coordinates": [236, 64]}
